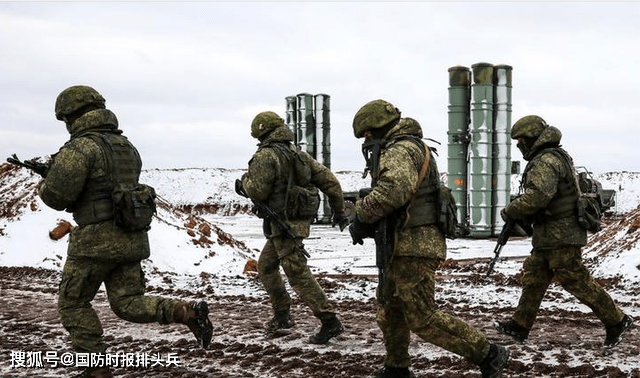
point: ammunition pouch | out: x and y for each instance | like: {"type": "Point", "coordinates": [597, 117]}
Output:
{"type": "Point", "coordinates": [134, 206]}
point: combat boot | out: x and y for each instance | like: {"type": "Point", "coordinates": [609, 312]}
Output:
{"type": "Point", "coordinates": [495, 362]}
{"type": "Point", "coordinates": [513, 329]}
{"type": "Point", "coordinates": [195, 315]}
{"type": "Point", "coordinates": [614, 332]}
{"type": "Point", "coordinates": [331, 327]}
{"type": "Point", "coordinates": [281, 320]}
{"type": "Point", "coordinates": [394, 372]}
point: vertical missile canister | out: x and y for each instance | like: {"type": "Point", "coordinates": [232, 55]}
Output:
{"type": "Point", "coordinates": [501, 143]}
{"type": "Point", "coordinates": [480, 151]}
{"type": "Point", "coordinates": [322, 120]}
{"type": "Point", "coordinates": [306, 125]}
{"type": "Point", "coordinates": [291, 115]}
{"type": "Point", "coordinates": [458, 137]}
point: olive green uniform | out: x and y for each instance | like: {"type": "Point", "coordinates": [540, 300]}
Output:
{"type": "Point", "coordinates": [266, 181]}
{"type": "Point", "coordinates": [547, 200]}
{"type": "Point", "coordinates": [99, 251]}
{"type": "Point", "coordinates": [420, 247]}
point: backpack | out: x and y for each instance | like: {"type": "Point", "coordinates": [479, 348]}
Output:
{"type": "Point", "coordinates": [134, 204]}
{"type": "Point", "coordinates": [589, 207]}
{"type": "Point", "coordinates": [447, 220]}
{"type": "Point", "coordinates": [302, 201]}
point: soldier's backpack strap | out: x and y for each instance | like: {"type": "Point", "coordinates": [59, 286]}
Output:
{"type": "Point", "coordinates": [421, 176]}
{"type": "Point", "coordinates": [426, 213]}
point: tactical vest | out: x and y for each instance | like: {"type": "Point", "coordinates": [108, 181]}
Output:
{"type": "Point", "coordinates": [563, 203]}
{"type": "Point", "coordinates": [123, 165]}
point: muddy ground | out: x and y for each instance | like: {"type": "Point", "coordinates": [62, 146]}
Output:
{"type": "Point", "coordinates": [563, 343]}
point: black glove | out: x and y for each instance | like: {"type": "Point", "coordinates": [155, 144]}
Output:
{"type": "Point", "coordinates": [340, 219]}
{"type": "Point", "coordinates": [360, 231]}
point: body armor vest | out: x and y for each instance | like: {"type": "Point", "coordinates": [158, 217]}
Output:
{"type": "Point", "coordinates": [423, 209]}
{"type": "Point", "coordinates": [123, 165]}
{"type": "Point", "coordinates": [563, 203]}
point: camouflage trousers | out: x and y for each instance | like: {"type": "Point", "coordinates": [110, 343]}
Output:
{"type": "Point", "coordinates": [282, 251]}
{"type": "Point", "coordinates": [565, 264]}
{"type": "Point", "coordinates": [408, 305]}
{"type": "Point", "coordinates": [124, 282]}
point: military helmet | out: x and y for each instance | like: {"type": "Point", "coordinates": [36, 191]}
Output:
{"type": "Point", "coordinates": [264, 123]}
{"type": "Point", "coordinates": [75, 98]}
{"type": "Point", "coordinates": [528, 127]}
{"type": "Point", "coordinates": [374, 115]}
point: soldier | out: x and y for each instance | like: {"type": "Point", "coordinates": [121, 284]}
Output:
{"type": "Point", "coordinates": [80, 180]}
{"type": "Point", "coordinates": [287, 180]}
{"type": "Point", "coordinates": [547, 204]}
{"type": "Point", "coordinates": [405, 178]}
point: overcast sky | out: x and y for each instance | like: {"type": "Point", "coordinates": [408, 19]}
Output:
{"type": "Point", "coordinates": [186, 78]}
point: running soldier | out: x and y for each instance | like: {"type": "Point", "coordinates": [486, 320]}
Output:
{"type": "Point", "coordinates": [81, 179]}
{"type": "Point", "coordinates": [405, 178]}
{"type": "Point", "coordinates": [547, 204]}
{"type": "Point", "coordinates": [285, 180]}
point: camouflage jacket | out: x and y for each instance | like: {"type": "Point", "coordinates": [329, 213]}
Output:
{"type": "Point", "coordinates": [78, 160]}
{"type": "Point", "coordinates": [548, 183]}
{"type": "Point", "coordinates": [399, 167]}
{"type": "Point", "coordinates": [267, 176]}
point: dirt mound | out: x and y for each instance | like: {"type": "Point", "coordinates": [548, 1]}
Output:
{"type": "Point", "coordinates": [621, 233]}
{"type": "Point", "coordinates": [17, 190]}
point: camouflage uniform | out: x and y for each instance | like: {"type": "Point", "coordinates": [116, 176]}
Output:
{"type": "Point", "coordinates": [266, 182]}
{"type": "Point", "coordinates": [419, 249]}
{"type": "Point", "coordinates": [548, 202]}
{"type": "Point", "coordinates": [99, 251]}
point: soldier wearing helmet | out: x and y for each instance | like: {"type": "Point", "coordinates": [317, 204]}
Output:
{"type": "Point", "coordinates": [404, 185]}
{"type": "Point", "coordinates": [80, 180]}
{"type": "Point", "coordinates": [547, 206]}
{"type": "Point", "coordinates": [286, 180]}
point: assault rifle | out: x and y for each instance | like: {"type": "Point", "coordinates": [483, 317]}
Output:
{"type": "Point", "coordinates": [383, 237]}
{"type": "Point", "coordinates": [383, 233]}
{"type": "Point", "coordinates": [39, 168]}
{"type": "Point", "coordinates": [268, 213]}
{"type": "Point", "coordinates": [502, 240]}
